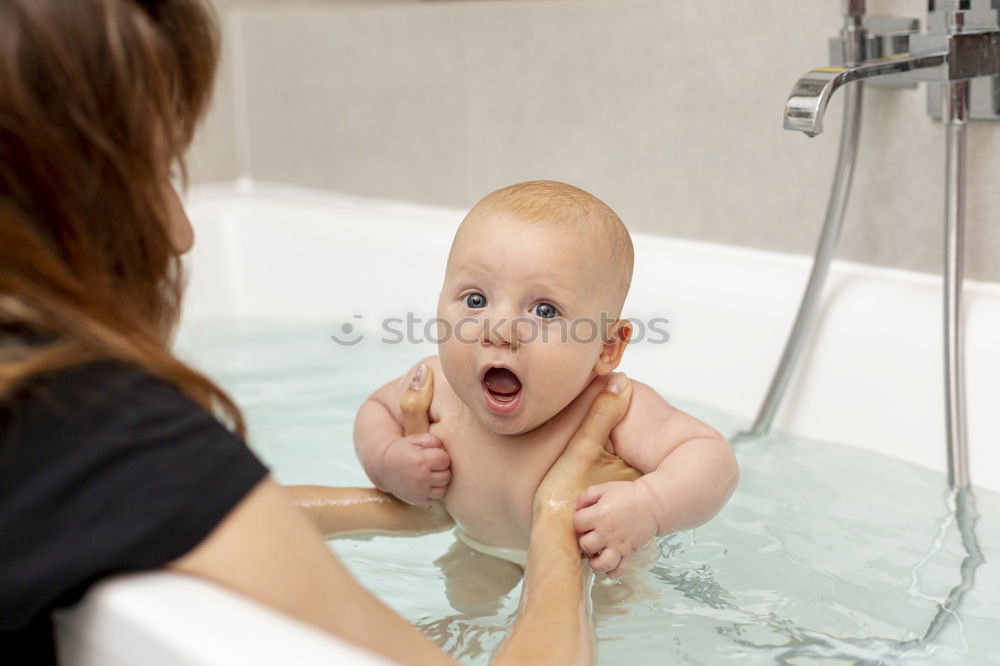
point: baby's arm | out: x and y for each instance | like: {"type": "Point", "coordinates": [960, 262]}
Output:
{"type": "Point", "coordinates": [689, 473]}
{"type": "Point", "coordinates": [413, 467]}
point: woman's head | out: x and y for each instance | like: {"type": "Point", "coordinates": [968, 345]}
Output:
{"type": "Point", "coordinates": [99, 99]}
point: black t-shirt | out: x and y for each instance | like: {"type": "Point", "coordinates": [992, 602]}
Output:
{"type": "Point", "coordinates": [104, 469]}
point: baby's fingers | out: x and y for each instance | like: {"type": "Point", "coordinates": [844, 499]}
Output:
{"type": "Point", "coordinates": [619, 570]}
{"type": "Point", "coordinates": [437, 459]}
{"type": "Point", "coordinates": [437, 493]}
{"type": "Point", "coordinates": [426, 441]}
{"type": "Point", "coordinates": [606, 561]}
{"type": "Point", "coordinates": [592, 543]}
{"type": "Point", "coordinates": [590, 496]}
{"type": "Point", "coordinates": [585, 520]}
{"type": "Point", "coordinates": [442, 478]}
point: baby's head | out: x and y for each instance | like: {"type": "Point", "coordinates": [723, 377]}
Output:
{"type": "Point", "coordinates": [530, 307]}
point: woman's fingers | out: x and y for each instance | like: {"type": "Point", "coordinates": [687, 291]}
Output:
{"type": "Point", "coordinates": [416, 400]}
{"type": "Point", "coordinates": [584, 462]}
{"type": "Point", "coordinates": [592, 543]}
{"type": "Point", "coordinates": [605, 412]}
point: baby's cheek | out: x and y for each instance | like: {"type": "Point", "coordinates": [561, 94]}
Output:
{"type": "Point", "coordinates": [457, 354]}
{"type": "Point", "coordinates": [451, 358]}
{"type": "Point", "coordinates": [567, 369]}
{"type": "Point", "coordinates": [465, 332]}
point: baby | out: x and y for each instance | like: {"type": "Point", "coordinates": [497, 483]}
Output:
{"type": "Point", "coordinates": [530, 333]}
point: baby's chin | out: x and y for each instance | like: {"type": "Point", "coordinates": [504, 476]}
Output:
{"type": "Point", "coordinates": [521, 424]}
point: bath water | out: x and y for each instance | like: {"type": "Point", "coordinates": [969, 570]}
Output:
{"type": "Point", "coordinates": [825, 554]}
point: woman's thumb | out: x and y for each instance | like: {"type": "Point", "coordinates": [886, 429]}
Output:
{"type": "Point", "coordinates": [416, 400]}
{"type": "Point", "coordinates": [605, 412]}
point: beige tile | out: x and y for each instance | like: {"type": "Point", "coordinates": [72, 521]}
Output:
{"type": "Point", "coordinates": [665, 109]}
{"type": "Point", "coordinates": [214, 155]}
{"type": "Point", "coordinates": [670, 110]}
{"type": "Point", "coordinates": [983, 206]}
{"type": "Point", "coordinates": [361, 100]}
{"type": "Point", "coordinates": [679, 127]}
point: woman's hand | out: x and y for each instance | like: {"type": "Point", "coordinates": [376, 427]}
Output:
{"type": "Point", "coordinates": [553, 624]}
{"type": "Point", "coordinates": [341, 511]}
{"type": "Point", "coordinates": [414, 465]}
{"type": "Point", "coordinates": [585, 462]}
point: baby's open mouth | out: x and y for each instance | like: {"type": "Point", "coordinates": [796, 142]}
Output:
{"type": "Point", "coordinates": [501, 390]}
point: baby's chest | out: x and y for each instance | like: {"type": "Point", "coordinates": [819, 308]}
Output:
{"type": "Point", "coordinates": [494, 478]}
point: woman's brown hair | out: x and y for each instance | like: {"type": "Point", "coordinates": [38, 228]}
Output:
{"type": "Point", "coordinates": [97, 99]}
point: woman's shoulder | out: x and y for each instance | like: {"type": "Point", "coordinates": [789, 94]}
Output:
{"type": "Point", "coordinates": [105, 468]}
{"type": "Point", "coordinates": [105, 408]}
{"type": "Point", "coordinates": [94, 388]}
{"type": "Point", "coordinates": [87, 382]}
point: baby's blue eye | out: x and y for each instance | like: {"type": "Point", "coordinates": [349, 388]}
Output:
{"type": "Point", "coordinates": [475, 301]}
{"type": "Point", "coordinates": [545, 311]}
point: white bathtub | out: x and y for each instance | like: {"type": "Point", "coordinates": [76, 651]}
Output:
{"type": "Point", "coordinates": [871, 376]}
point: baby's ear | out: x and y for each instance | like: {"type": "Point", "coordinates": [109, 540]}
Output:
{"type": "Point", "coordinates": [611, 352]}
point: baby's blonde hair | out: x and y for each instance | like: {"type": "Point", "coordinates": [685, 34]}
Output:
{"type": "Point", "coordinates": [551, 201]}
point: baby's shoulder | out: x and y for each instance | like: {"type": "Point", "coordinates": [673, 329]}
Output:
{"type": "Point", "coordinates": [444, 397]}
{"type": "Point", "coordinates": [647, 399]}
{"type": "Point", "coordinates": [434, 363]}
{"type": "Point", "coordinates": [647, 410]}
{"type": "Point", "coordinates": [391, 394]}
{"type": "Point", "coordinates": [652, 428]}
{"type": "Point", "coordinates": [646, 402]}
{"type": "Point", "coordinates": [645, 407]}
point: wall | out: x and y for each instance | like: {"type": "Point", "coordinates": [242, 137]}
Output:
{"type": "Point", "coordinates": [669, 110]}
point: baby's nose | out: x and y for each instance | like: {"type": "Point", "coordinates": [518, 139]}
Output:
{"type": "Point", "coordinates": [496, 332]}
{"type": "Point", "coordinates": [501, 332]}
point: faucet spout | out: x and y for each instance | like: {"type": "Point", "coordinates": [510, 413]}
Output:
{"type": "Point", "coordinates": [807, 104]}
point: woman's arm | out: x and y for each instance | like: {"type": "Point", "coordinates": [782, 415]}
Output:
{"type": "Point", "coordinates": [339, 511]}
{"type": "Point", "coordinates": [553, 620]}
{"type": "Point", "coordinates": [342, 511]}
{"type": "Point", "coordinates": [268, 550]}
{"type": "Point", "coordinates": [553, 624]}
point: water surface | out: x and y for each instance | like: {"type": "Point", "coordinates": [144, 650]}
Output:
{"type": "Point", "coordinates": [825, 555]}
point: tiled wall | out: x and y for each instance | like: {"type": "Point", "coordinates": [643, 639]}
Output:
{"type": "Point", "coordinates": [669, 110]}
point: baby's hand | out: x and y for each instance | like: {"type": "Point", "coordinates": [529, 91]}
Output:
{"type": "Point", "coordinates": [416, 469]}
{"type": "Point", "coordinates": [614, 520]}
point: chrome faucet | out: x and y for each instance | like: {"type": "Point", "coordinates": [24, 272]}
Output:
{"type": "Point", "coordinates": [959, 59]}
{"type": "Point", "coordinates": [961, 44]}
